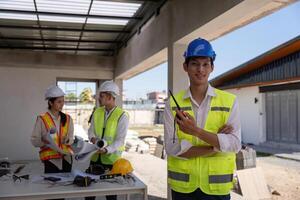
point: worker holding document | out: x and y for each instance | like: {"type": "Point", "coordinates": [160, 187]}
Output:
{"type": "Point", "coordinates": [53, 134]}
{"type": "Point", "coordinates": [108, 130]}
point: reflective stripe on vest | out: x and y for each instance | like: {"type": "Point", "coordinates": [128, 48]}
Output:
{"type": "Point", "coordinates": [226, 109]}
{"type": "Point", "coordinates": [221, 178]}
{"type": "Point", "coordinates": [109, 133]}
{"type": "Point", "coordinates": [182, 108]}
{"type": "Point", "coordinates": [178, 176]}
{"type": "Point", "coordinates": [212, 174]}
{"type": "Point", "coordinates": [47, 153]}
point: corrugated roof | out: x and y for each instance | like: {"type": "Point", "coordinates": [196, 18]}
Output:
{"type": "Point", "coordinates": [102, 26]}
{"type": "Point", "coordinates": [276, 53]}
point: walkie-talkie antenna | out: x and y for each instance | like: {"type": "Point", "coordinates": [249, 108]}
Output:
{"type": "Point", "coordinates": [178, 107]}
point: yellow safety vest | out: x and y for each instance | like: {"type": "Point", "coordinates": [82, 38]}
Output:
{"type": "Point", "coordinates": [108, 132]}
{"type": "Point", "coordinates": [45, 152]}
{"type": "Point", "coordinates": [212, 174]}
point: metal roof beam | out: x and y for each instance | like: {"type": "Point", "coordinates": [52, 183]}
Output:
{"type": "Point", "coordinates": [60, 40]}
{"type": "Point", "coordinates": [61, 29]}
{"type": "Point", "coordinates": [83, 26]}
{"type": "Point", "coordinates": [138, 26]}
{"type": "Point", "coordinates": [39, 24]}
{"type": "Point", "coordinates": [67, 14]}
{"type": "Point", "coordinates": [135, 1]}
{"type": "Point", "coordinates": [54, 48]}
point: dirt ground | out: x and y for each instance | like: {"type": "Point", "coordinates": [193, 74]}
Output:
{"type": "Point", "coordinates": [281, 175]}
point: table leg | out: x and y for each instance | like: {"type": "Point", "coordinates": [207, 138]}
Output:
{"type": "Point", "coordinates": [169, 193]}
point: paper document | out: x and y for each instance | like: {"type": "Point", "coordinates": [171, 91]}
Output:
{"type": "Point", "coordinates": [84, 150]}
{"type": "Point", "coordinates": [64, 177]}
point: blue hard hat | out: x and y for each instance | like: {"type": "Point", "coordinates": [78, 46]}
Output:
{"type": "Point", "coordinates": [200, 47]}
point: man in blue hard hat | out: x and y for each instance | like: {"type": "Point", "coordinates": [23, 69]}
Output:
{"type": "Point", "coordinates": [202, 137]}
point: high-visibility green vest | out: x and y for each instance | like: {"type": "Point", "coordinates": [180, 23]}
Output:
{"type": "Point", "coordinates": [108, 132]}
{"type": "Point", "coordinates": [212, 174]}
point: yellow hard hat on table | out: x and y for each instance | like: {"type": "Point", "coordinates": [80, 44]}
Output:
{"type": "Point", "coordinates": [121, 166]}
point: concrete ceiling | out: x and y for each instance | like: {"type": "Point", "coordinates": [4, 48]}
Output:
{"type": "Point", "coordinates": [179, 22]}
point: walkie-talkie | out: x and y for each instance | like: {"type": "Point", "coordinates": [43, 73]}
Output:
{"type": "Point", "coordinates": [179, 108]}
{"type": "Point", "coordinates": [177, 105]}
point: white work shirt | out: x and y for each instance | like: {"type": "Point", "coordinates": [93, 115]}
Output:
{"type": "Point", "coordinates": [120, 135]}
{"type": "Point", "coordinates": [228, 142]}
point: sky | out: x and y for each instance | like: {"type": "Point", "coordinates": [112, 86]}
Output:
{"type": "Point", "coordinates": [232, 49]}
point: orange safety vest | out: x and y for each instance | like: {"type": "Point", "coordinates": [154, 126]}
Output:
{"type": "Point", "coordinates": [47, 153]}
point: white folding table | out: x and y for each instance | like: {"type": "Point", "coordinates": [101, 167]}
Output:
{"type": "Point", "coordinates": [28, 190]}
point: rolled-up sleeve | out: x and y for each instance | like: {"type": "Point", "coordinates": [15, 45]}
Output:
{"type": "Point", "coordinates": [91, 131]}
{"type": "Point", "coordinates": [232, 142]}
{"type": "Point", "coordinates": [38, 131]}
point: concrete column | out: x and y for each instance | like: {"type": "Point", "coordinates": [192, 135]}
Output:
{"type": "Point", "coordinates": [97, 91]}
{"type": "Point", "coordinates": [119, 98]}
{"type": "Point", "coordinates": [177, 77]}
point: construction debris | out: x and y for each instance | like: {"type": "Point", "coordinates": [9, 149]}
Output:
{"type": "Point", "coordinates": [151, 141]}
{"type": "Point", "coordinates": [276, 193]}
{"type": "Point", "coordinates": [246, 158]}
{"type": "Point", "coordinates": [252, 184]}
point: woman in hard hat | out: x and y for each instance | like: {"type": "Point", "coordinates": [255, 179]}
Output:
{"type": "Point", "coordinates": [58, 126]}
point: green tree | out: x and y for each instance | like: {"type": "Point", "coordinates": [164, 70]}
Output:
{"type": "Point", "coordinates": [71, 97]}
{"type": "Point", "coordinates": [86, 95]}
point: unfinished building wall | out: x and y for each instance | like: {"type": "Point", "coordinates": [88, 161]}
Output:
{"type": "Point", "coordinates": [22, 86]}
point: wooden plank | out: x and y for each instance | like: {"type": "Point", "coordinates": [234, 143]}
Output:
{"type": "Point", "coordinates": [235, 196]}
{"type": "Point", "coordinates": [253, 184]}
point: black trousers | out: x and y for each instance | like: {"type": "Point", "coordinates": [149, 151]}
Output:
{"type": "Point", "coordinates": [198, 195]}
{"type": "Point", "coordinates": [51, 168]}
{"type": "Point", "coordinates": [98, 164]}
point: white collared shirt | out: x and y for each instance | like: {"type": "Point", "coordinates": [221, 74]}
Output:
{"type": "Point", "coordinates": [228, 142]}
{"type": "Point", "coordinates": [121, 131]}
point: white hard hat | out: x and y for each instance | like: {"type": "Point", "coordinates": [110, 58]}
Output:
{"type": "Point", "coordinates": [53, 91]}
{"type": "Point", "coordinates": [111, 87]}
